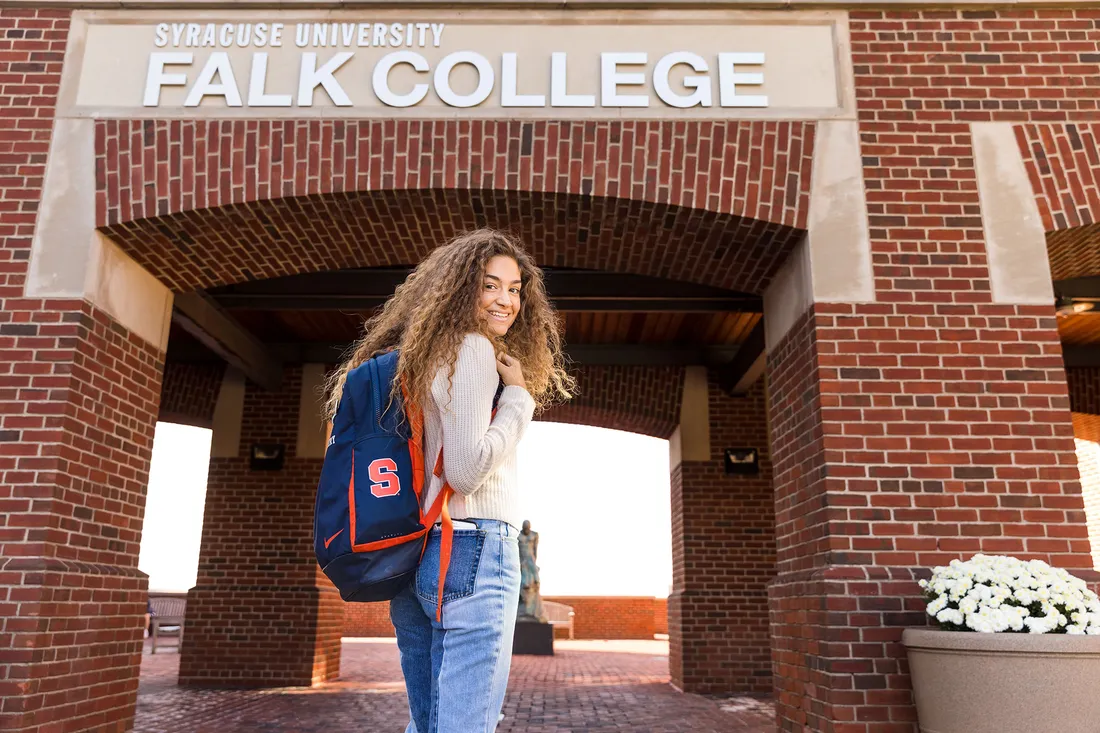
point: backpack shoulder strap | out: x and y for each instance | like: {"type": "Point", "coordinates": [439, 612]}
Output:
{"type": "Point", "coordinates": [439, 510]}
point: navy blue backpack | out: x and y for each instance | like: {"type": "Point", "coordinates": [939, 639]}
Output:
{"type": "Point", "coordinates": [369, 531]}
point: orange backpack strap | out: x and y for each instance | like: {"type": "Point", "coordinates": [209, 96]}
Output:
{"type": "Point", "coordinates": [444, 550]}
{"type": "Point", "coordinates": [440, 510]}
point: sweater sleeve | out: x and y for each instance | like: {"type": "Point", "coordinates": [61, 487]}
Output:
{"type": "Point", "coordinates": [474, 442]}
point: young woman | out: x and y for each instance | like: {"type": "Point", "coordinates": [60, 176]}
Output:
{"type": "Point", "coordinates": [473, 325]}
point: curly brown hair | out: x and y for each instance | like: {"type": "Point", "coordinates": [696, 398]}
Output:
{"type": "Point", "coordinates": [432, 311]}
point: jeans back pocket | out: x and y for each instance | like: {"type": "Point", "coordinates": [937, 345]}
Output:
{"type": "Point", "coordinates": [466, 548]}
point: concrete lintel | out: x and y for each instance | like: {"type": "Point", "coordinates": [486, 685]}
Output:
{"type": "Point", "coordinates": [311, 425]}
{"type": "Point", "coordinates": [675, 450]}
{"type": "Point", "coordinates": [790, 294]}
{"type": "Point", "coordinates": [225, 440]}
{"type": "Point", "coordinates": [1019, 267]}
{"type": "Point", "coordinates": [71, 259]}
{"type": "Point", "coordinates": [128, 292]}
{"type": "Point", "coordinates": [694, 431]}
{"type": "Point", "coordinates": [838, 235]}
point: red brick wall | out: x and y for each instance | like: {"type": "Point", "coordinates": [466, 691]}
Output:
{"type": "Point", "coordinates": [756, 173]}
{"type": "Point", "coordinates": [190, 392]}
{"type": "Point", "coordinates": [941, 434]}
{"type": "Point", "coordinates": [612, 617]}
{"type": "Point", "coordinates": [78, 402]}
{"type": "Point", "coordinates": [660, 616]}
{"type": "Point", "coordinates": [261, 612]}
{"type": "Point", "coordinates": [723, 556]}
{"type": "Point", "coordinates": [367, 619]}
{"type": "Point", "coordinates": [636, 399]}
{"type": "Point", "coordinates": [597, 617]}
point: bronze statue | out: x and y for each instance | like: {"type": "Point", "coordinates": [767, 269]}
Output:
{"type": "Point", "coordinates": [530, 602]}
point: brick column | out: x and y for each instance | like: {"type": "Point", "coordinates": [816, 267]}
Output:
{"type": "Point", "coordinates": [261, 613]}
{"type": "Point", "coordinates": [78, 437]}
{"type": "Point", "coordinates": [927, 423]}
{"type": "Point", "coordinates": [723, 546]}
{"type": "Point", "coordinates": [79, 385]}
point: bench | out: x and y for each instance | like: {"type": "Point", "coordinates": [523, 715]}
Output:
{"type": "Point", "coordinates": [559, 614]}
{"type": "Point", "coordinates": [166, 619]}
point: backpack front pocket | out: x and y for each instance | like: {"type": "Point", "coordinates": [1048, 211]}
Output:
{"type": "Point", "coordinates": [382, 501]}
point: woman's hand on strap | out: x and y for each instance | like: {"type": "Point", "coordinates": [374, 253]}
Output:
{"type": "Point", "coordinates": [510, 371]}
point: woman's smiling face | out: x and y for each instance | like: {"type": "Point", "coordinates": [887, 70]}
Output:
{"type": "Point", "coordinates": [500, 294]}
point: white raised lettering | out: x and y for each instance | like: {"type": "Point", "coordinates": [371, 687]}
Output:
{"type": "Point", "coordinates": [177, 33]}
{"type": "Point", "coordinates": [611, 78]}
{"type": "Point", "coordinates": [509, 96]}
{"type": "Point", "coordinates": [381, 79]}
{"type": "Point", "coordinates": [437, 33]}
{"type": "Point", "coordinates": [276, 34]}
{"type": "Point", "coordinates": [244, 35]}
{"type": "Point", "coordinates": [225, 37]}
{"type": "Point", "coordinates": [260, 37]}
{"type": "Point", "coordinates": [310, 77]}
{"type": "Point", "coordinates": [218, 64]}
{"type": "Point", "coordinates": [301, 35]}
{"type": "Point", "coordinates": [257, 96]}
{"type": "Point", "coordinates": [422, 29]}
{"type": "Point", "coordinates": [559, 94]}
{"type": "Point", "coordinates": [395, 34]}
{"type": "Point", "coordinates": [347, 33]}
{"type": "Point", "coordinates": [209, 34]}
{"type": "Point", "coordinates": [379, 35]}
{"type": "Point", "coordinates": [485, 79]}
{"type": "Point", "coordinates": [193, 30]}
{"type": "Point", "coordinates": [364, 34]}
{"type": "Point", "coordinates": [162, 35]}
{"type": "Point", "coordinates": [729, 78]}
{"type": "Point", "coordinates": [155, 78]}
{"type": "Point", "coordinates": [701, 84]}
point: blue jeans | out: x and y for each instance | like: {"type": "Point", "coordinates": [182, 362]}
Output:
{"type": "Point", "coordinates": [456, 671]}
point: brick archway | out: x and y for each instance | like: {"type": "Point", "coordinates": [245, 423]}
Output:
{"type": "Point", "coordinates": [637, 399]}
{"type": "Point", "coordinates": [1063, 164]}
{"type": "Point", "coordinates": [204, 204]}
{"type": "Point", "coordinates": [201, 204]}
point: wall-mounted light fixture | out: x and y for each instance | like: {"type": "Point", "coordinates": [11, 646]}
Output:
{"type": "Point", "coordinates": [742, 461]}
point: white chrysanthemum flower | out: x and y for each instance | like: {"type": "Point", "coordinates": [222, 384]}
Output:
{"type": "Point", "coordinates": [994, 593]}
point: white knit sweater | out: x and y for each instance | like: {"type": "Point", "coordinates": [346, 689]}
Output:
{"type": "Point", "coordinates": [479, 451]}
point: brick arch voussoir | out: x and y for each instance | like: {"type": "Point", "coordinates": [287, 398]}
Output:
{"type": "Point", "coordinates": [636, 399]}
{"type": "Point", "coordinates": [214, 196]}
{"type": "Point", "coordinates": [747, 168]}
{"type": "Point", "coordinates": [1063, 165]}
{"type": "Point", "coordinates": [278, 237]}
{"type": "Point", "coordinates": [189, 392]}
{"type": "Point", "coordinates": [652, 426]}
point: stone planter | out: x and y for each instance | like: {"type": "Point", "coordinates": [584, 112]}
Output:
{"type": "Point", "coordinates": [966, 682]}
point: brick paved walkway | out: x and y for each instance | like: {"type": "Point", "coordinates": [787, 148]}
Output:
{"type": "Point", "coordinates": [586, 686]}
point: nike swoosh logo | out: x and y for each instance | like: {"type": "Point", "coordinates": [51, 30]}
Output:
{"type": "Point", "coordinates": [330, 539]}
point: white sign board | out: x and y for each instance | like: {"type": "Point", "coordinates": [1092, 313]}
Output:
{"type": "Point", "coordinates": [397, 65]}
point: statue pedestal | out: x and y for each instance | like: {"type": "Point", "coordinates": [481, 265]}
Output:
{"type": "Point", "coordinates": [533, 637]}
